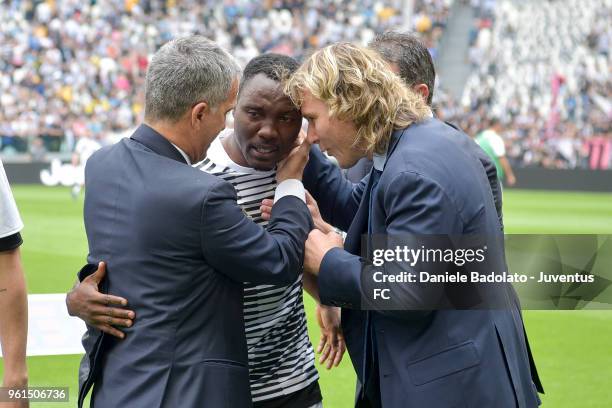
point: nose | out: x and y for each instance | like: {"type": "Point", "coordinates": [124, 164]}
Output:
{"type": "Point", "coordinates": [268, 132]}
{"type": "Point", "coordinates": [312, 135]}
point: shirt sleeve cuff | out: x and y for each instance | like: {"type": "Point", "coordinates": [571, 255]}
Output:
{"type": "Point", "coordinates": [11, 242]}
{"type": "Point", "coordinates": [291, 187]}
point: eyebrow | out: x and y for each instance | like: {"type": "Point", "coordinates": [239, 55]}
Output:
{"type": "Point", "coordinates": [290, 112]}
{"type": "Point", "coordinates": [252, 107]}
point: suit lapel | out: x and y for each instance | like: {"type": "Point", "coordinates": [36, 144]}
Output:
{"type": "Point", "coordinates": [359, 225]}
{"type": "Point", "coordinates": [395, 138]}
{"type": "Point", "coordinates": [148, 137]}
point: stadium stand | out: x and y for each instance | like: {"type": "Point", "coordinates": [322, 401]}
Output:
{"type": "Point", "coordinates": [543, 69]}
{"type": "Point", "coordinates": [74, 69]}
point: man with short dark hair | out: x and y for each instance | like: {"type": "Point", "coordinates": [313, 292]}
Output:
{"type": "Point", "coordinates": [410, 59]}
{"type": "Point", "coordinates": [177, 245]}
{"type": "Point", "coordinates": [281, 358]}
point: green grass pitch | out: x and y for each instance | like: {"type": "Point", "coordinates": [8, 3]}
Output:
{"type": "Point", "coordinates": [573, 349]}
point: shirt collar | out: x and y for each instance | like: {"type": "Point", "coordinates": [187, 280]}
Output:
{"type": "Point", "coordinates": [182, 153]}
{"type": "Point", "coordinates": [379, 161]}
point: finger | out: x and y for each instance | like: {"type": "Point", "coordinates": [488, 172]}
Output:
{"type": "Point", "coordinates": [267, 202]}
{"type": "Point", "coordinates": [331, 359]}
{"type": "Point", "coordinates": [266, 208]}
{"type": "Point", "coordinates": [120, 313]}
{"type": "Point", "coordinates": [110, 330]}
{"type": "Point", "coordinates": [106, 311]}
{"type": "Point", "coordinates": [321, 343]}
{"type": "Point", "coordinates": [100, 273]}
{"type": "Point", "coordinates": [326, 351]}
{"type": "Point", "coordinates": [302, 136]}
{"type": "Point", "coordinates": [304, 148]}
{"type": "Point", "coordinates": [339, 354]}
{"type": "Point", "coordinates": [109, 300]}
{"type": "Point", "coordinates": [112, 321]}
{"type": "Point", "coordinates": [332, 356]}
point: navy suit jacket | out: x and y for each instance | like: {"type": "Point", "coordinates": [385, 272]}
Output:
{"type": "Point", "coordinates": [178, 247]}
{"type": "Point", "coordinates": [362, 168]}
{"type": "Point", "coordinates": [432, 183]}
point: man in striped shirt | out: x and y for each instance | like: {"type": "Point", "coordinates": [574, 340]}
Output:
{"type": "Point", "coordinates": [281, 358]}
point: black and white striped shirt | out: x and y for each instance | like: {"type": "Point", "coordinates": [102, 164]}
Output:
{"type": "Point", "coordinates": [281, 358]}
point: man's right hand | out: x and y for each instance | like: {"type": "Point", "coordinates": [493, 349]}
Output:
{"type": "Point", "coordinates": [293, 165]}
{"type": "Point", "coordinates": [98, 310]}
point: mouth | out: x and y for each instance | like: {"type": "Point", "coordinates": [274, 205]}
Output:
{"type": "Point", "coordinates": [264, 152]}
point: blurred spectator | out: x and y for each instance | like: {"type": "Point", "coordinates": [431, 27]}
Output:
{"type": "Point", "coordinates": [492, 143]}
{"type": "Point", "coordinates": [85, 147]}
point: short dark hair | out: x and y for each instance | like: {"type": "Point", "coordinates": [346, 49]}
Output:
{"type": "Point", "coordinates": [275, 66]}
{"type": "Point", "coordinates": [410, 55]}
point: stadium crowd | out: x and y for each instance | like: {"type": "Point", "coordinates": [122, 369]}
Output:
{"type": "Point", "coordinates": [71, 69]}
{"type": "Point", "coordinates": [543, 69]}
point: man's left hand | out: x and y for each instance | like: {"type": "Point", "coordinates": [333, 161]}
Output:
{"type": "Point", "coordinates": [317, 246]}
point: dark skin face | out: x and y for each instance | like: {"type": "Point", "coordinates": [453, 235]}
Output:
{"type": "Point", "coordinates": [266, 125]}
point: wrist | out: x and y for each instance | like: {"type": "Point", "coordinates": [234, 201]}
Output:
{"type": "Point", "coordinates": [327, 228]}
{"type": "Point", "coordinates": [282, 178]}
{"type": "Point", "coordinates": [15, 378]}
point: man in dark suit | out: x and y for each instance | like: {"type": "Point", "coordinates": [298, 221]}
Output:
{"type": "Point", "coordinates": [426, 181]}
{"type": "Point", "coordinates": [177, 245]}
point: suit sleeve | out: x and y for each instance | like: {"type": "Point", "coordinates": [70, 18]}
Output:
{"type": "Point", "coordinates": [244, 251]}
{"type": "Point", "coordinates": [491, 171]}
{"type": "Point", "coordinates": [415, 206]}
{"type": "Point", "coordinates": [337, 197]}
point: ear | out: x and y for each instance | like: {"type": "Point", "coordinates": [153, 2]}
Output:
{"type": "Point", "coordinates": [422, 90]}
{"type": "Point", "coordinates": [199, 113]}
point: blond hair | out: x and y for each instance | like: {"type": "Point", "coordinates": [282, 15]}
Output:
{"type": "Point", "coordinates": [356, 84]}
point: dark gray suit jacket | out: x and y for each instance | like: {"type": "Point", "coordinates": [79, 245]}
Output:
{"type": "Point", "coordinates": [178, 247]}
{"type": "Point", "coordinates": [432, 184]}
